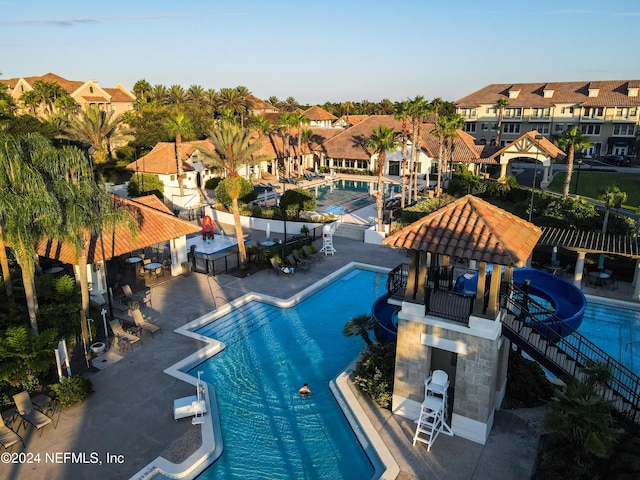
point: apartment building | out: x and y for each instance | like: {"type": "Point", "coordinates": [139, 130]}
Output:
{"type": "Point", "coordinates": [607, 112]}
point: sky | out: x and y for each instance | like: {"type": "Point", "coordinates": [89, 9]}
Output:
{"type": "Point", "coordinates": [318, 51]}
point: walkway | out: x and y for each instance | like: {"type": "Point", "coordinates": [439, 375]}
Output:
{"type": "Point", "coordinates": [130, 413]}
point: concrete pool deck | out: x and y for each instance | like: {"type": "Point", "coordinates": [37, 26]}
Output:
{"type": "Point", "coordinates": [130, 415]}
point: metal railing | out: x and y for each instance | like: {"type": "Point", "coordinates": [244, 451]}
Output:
{"type": "Point", "coordinates": [448, 304]}
{"type": "Point", "coordinates": [556, 336]}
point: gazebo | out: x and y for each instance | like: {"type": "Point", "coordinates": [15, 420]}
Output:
{"type": "Point", "coordinates": [156, 225]}
{"type": "Point", "coordinates": [441, 329]}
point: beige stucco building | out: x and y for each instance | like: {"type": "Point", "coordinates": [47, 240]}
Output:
{"type": "Point", "coordinates": [607, 112]}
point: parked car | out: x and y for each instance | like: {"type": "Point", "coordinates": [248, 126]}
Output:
{"type": "Point", "coordinates": [616, 160]}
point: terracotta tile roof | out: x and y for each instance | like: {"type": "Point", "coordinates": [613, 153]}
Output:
{"type": "Point", "coordinates": [353, 119]}
{"type": "Point", "coordinates": [154, 227]}
{"type": "Point", "coordinates": [316, 113]}
{"type": "Point", "coordinates": [153, 202]}
{"type": "Point", "coordinates": [349, 143]}
{"type": "Point", "coordinates": [612, 93]}
{"type": "Point", "coordinates": [465, 149]}
{"type": "Point", "coordinates": [259, 104]}
{"type": "Point", "coordinates": [473, 229]}
{"type": "Point", "coordinates": [545, 145]}
{"type": "Point", "coordinates": [96, 98]}
{"type": "Point", "coordinates": [161, 160]}
{"type": "Point", "coordinates": [118, 95]}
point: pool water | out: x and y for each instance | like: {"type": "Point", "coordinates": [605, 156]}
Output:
{"type": "Point", "coordinates": [350, 194]}
{"type": "Point", "coordinates": [269, 430]}
{"type": "Point", "coordinates": [616, 330]}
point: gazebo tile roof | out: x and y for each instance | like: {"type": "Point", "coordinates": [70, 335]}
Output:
{"type": "Point", "coordinates": [471, 228]}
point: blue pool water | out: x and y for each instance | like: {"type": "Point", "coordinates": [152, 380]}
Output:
{"type": "Point", "coordinates": [350, 194]}
{"type": "Point", "coordinates": [616, 330]}
{"type": "Point", "coordinates": [270, 431]}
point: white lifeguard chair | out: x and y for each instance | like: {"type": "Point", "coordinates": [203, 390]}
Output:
{"type": "Point", "coordinates": [433, 411]}
{"type": "Point", "coordinates": [327, 241]}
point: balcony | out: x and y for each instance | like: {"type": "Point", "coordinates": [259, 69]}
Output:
{"type": "Point", "coordinates": [440, 299]}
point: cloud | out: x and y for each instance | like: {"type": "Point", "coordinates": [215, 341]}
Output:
{"type": "Point", "coordinates": [69, 22]}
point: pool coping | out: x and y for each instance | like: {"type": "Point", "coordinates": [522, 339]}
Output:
{"type": "Point", "coordinates": [384, 465]}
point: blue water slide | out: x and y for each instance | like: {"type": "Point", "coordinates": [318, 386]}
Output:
{"type": "Point", "coordinates": [386, 330]}
{"type": "Point", "coordinates": [567, 301]}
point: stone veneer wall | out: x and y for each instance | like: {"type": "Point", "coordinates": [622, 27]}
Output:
{"type": "Point", "coordinates": [476, 372]}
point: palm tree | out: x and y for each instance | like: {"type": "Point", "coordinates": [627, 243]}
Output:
{"type": "Point", "coordinates": [176, 95]}
{"type": "Point", "coordinates": [234, 146]}
{"type": "Point", "coordinates": [290, 104]}
{"type": "Point", "coordinates": [27, 209]}
{"type": "Point", "coordinates": [381, 141]}
{"type": "Point", "coordinates": [307, 138]}
{"type": "Point", "coordinates": [179, 126]}
{"type": "Point", "coordinates": [612, 197]}
{"type": "Point", "coordinates": [229, 99]}
{"type": "Point", "coordinates": [143, 92]}
{"type": "Point", "coordinates": [246, 99]}
{"type": "Point", "coordinates": [300, 119]}
{"type": "Point", "coordinates": [160, 94]}
{"type": "Point", "coordinates": [195, 94]}
{"type": "Point", "coordinates": [500, 105]}
{"type": "Point", "coordinates": [96, 128]}
{"type": "Point", "coordinates": [439, 131]}
{"type": "Point", "coordinates": [453, 124]}
{"type": "Point", "coordinates": [286, 121]}
{"type": "Point", "coordinates": [419, 109]}
{"type": "Point", "coordinates": [402, 114]}
{"type": "Point", "coordinates": [571, 139]}
{"type": "Point", "coordinates": [360, 326]}
{"type": "Point", "coordinates": [275, 101]}
{"type": "Point", "coordinates": [30, 101]}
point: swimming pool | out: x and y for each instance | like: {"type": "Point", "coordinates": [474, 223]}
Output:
{"type": "Point", "coordinates": [615, 328]}
{"type": "Point", "coordinates": [269, 430]}
{"type": "Point", "coordinates": [350, 194]}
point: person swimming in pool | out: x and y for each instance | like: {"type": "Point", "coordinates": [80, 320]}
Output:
{"type": "Point", "coordinates": [304, 390]}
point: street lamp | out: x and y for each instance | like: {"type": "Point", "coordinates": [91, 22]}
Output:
{"type": "Point", "coordinates": [535, 173]}
{"type": "Point", "coordinates": [575, 190]}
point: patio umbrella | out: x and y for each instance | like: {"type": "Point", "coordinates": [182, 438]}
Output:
{"type": "Point", "coordinates": [268, 230]}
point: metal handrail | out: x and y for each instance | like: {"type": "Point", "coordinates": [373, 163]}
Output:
{"type": "Point", "coordinates": [559, 335]}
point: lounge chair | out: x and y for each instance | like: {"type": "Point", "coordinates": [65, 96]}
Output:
{"type": "Point", "coordinates": [142, 323]}
{"type": "Point", "coordinates": [280, 270]}
{"type": "Point", "coordinates": [29, 414]}
{"type": "Point", "coordinates": [311, 256]}
{"type": "Point", "coordinates": [300, 262]}
{"type": "Point", "coordinates": [291, 262]}
{"type": "Point", "coordinates": [124, 339]}
{"type": "Point", "coordinates": [142, 299]}
{"type": "Point", "coordinates": [8, 438]}
{"type": "Point", "coordinates": [120, 307]}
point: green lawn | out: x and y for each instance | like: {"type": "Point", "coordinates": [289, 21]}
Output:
{"type": "Point", "coordinates": [591, 183]}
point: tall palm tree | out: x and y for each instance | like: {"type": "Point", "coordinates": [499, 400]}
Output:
{"type": "Point", "coordinates": [274, 101]}
{"type": "Point", "coordinates": [160, 94]}
{"type": "Point", "coordinates": [419, 109]}
{"type": "Point", "coordinates": [402, 114]}
{"type": "Point", "coordinates": [286, 121]}
{"type": "Point", "coordinates": [381, 141]}
{"type": "Point", "coordinates": [28, 211]}
{"type": "Point", "coordinates": [452, 126]}
{"type": "Point", "coordinates": [300, 119]}
{"type": "Point", "coordinates": [233, 147]}
{"type": "Point", "coordinates": [229, 99]}
{"type": "Point", "coordinates": [570, 140]}
{"type": "Point", "coordinates": [179, 126]}
{"type": "Point", "coordinates": [246, 102]}
{"type": "Point", "coordinates": [307, 137]}
{"type": "Point", "coordinates": [176, 95]}
{"type": "Point", "coordinates": [439, 131]}
{"type": "Point", "coordinates": [290, 104]}
{"type": "Point", "coordinates": [97, 128]}
{"type": "Point", "coordinates": [501, 104]}
{"type": "Point", "coordinates": [30, 101]}
{"type": "Point", "coordinates": [143, 92]}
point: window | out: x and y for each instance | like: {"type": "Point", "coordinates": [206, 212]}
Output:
{"type": "Point", "coordinates": [494, 127]}
{"type": "Point", "coordinates": [593, 112]}
{"type": "Point", "coordinates": [469, 127]}
{"type": "Point", "coordinates": [626, 112]}
{"type": "Point", "coordinates": [468, 112]}
{"type": "Point", "coordinates": [91, 89]}
{"type": "Point", "coordinates": [511, 128]}
{"type": "Point", "coordinates": [485, 127]}
{"type": "Point", "coordinates": [590, 129]}
{"type": "Point", "coordinates": [540, 127]}
{"type": "Point", "coordinates": [624, 129]}
{"type": "Point", "coordinates": [513, 112]}
{"type": "Point", "coordinates": [559, 127]}
{"type": "Point", "coordinates": [540, 112]}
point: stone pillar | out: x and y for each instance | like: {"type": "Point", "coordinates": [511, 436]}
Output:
{"type": "Point", "coordinates": [577, 276]}
{"type": "Point", "coordinates": [503, 171]}
{"type": "Point", "coordinates": [494, 291]}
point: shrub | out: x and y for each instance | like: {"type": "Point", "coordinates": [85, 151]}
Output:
{"type": "Point", "coordinates": [298, 200]}
{"type": "Point", "coordinates": [72, 390]}
{"type": "Point", "coordinates": [212, 183]}
{"type": "Point", "coordinates": [527, 384]}
{"type": "Point", "coordinates": [374, 372]}
{"type": "Point", "coordinates": [247, 193]}
{"type": "Point", "coordinates": [144, 184]}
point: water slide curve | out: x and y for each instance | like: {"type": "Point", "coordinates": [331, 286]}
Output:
{"type": "Point", "coordinates": [567, 300]}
